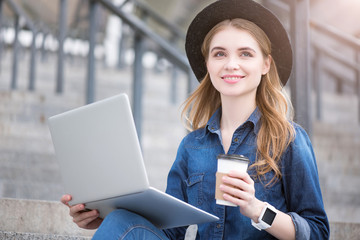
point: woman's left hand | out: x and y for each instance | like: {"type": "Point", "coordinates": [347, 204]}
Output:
{"type": "Point", "coordinates": [238, 188]}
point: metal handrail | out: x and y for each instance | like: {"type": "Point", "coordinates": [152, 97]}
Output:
{"type": "Point", "coordinates": [142, 31]}
{"type": "Point", "coordinates": [19, 12]}
{"type": "Point", "coordinates": [165, 47]}
{"type": "Point", "coordinates": [174, 29]}
{"type": "Point", "coordinates": [321, 51]}
{"type": "Point", "coordinates": [177, 37]}
{"type": "Point", "coordinates": [335, 34]}
{"type": "Point", "coordinates": [346, 40]}
{"type": "Point", "coordinates": [28, 23]}
{"type": "Point", "coordinates": [334, 55]}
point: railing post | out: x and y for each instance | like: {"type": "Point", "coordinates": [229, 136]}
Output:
{"type": "Point", "coordinates": [139, 48]}
{"type": "Point", "coordinates": [138, 82]}
{"type": "Point", "coordinates": [31, 86]}
{"type": "Point", "coordinates": [61, 39]}
{"type": "Point", "coordinates": [174, 78]}
{"type": "Point", "coordinates": [191, 81]}
{"type": "Point", "coordinates": [121, 51]}
{"type": "Point", "coordinates": [358, 81]}
{"type": "Point", "coordinates": [90, 86]}
{"type": "Point", "coordinates": [43, 51]}
{"type": "Point", "coordinates": [317, 66]}
{"type": "Point", "coordinates": [300, 83]}
{"type": "Point", "coordinates": [16, 53]}
{"type": "Point", "coordinates": [1, 31]}
{"type": "Point", "coordinates": [173, 84]}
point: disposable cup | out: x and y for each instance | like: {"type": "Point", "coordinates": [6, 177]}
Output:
{"type": "Point", "coordinates": [226, 163]}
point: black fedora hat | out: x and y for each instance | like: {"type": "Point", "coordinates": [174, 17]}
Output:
{"type": "Point", "coordinates": [245, 9]}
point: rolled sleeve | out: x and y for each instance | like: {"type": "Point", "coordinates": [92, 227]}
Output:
{"type": "Point", "coordinates": [302, 228]}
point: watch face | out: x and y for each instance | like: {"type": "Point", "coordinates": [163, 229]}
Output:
{"type": "Point", "coordinates": [269, 216]}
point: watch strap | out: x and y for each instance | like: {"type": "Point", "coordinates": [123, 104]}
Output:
{"type": "Point", "coordinates": [259, 226]}
{"type": "Point", "coordinates": [262, 225]}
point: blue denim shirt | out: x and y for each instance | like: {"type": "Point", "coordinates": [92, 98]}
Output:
{"type": "Point", "coordinates": [192, 179]}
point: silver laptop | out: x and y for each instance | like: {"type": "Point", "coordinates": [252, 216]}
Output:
{"type": "Point", "coordinates": [102, 165]}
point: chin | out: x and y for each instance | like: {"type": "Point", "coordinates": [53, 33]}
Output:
{"type": "Point", "coordinates": [236, 93]}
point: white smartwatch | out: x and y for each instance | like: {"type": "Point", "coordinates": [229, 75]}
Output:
{"type": "Point", "coordinates": [266, 218]}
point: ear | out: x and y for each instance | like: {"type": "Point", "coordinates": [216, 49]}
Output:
{"type": "Point", "coordinates": [267, 64]}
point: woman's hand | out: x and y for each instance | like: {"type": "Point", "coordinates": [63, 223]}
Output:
{"type": "Point", "coordinates": [83, 218]}
{"type": "Point", "coordinates": [238, 188]}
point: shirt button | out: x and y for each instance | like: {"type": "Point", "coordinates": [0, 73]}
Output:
{"type": "Point", "coordinates": [236, 140]}
{"type": "Point", "coordinates": [218, 226]}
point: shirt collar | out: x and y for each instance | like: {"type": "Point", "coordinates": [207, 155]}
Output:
{"type": "Point", "coordinates": [213, 124]}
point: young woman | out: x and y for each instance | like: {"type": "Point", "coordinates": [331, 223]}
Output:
{"type": "Point", "coordinates": [241, 55]}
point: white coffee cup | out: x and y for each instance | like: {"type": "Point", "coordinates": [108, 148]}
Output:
{"type": "Point", "coordinates": [226, 163]}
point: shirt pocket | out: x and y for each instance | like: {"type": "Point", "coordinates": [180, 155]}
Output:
{"type": "Point", "coordinates": [269, 192]}
{"type": "Point", "coordinates": [195, 189]}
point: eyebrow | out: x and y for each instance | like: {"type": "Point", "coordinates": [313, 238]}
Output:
{"type": "Point", "coordinates": [240, 49]}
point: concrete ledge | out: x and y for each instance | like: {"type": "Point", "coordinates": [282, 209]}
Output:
{"type": "Point", "coordinates": [34, 219]}
{"type": "Point", "coordinates": [38, 236]}
{"type": "Point", "coordinates": [26, 217]}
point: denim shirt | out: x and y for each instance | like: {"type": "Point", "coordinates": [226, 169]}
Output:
{"type": "Point", "coordinates": [192, 179]}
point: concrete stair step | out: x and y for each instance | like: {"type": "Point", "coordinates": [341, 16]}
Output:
{"type": "Point", "coordinates": [345, 130]}
{"type": "Point", "coordinates": [29, 219]}
{"type": "Point", "coordinates": [340, 109]}
{"type": "Point", "coordinates": [337, 149]}
{"type": "Point", "coordinates": [52, 222]}
{"type": "Point", "coordinates": [38, 236]}
{"type": "Point", "coordinates": [337, 146]}
{"type": "Point", "coordinates": [342, 213]}
{"type": "Point", "coordinates": [29, 175]}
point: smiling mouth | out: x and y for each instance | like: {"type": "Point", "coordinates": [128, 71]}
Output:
{"type": "Point", "coordinates": [232, 79]}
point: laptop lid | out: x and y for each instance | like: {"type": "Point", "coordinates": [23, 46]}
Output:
{"type": "Point", "coordinates": [98, 150]}
{"type": "Point", "coordinates": [161, 209]}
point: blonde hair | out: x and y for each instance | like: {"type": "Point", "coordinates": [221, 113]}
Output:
{"type": "Point", "coordinates": [276, 132]}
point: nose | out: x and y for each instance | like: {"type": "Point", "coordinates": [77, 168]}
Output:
{"type": "Point", "coordinates": [232, 63]}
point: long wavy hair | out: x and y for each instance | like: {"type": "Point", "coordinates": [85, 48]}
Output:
{"type": "Point", "coordinates": [276, 132]}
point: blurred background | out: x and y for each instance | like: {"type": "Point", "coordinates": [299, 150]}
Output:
{"type": "Point", "coordinates": [61, 54]}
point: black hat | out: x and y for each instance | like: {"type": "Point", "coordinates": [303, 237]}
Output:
{"type": "Point", "coordinates": [245, 9]}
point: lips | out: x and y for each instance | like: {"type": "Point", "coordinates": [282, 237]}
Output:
{"type": "Point", "coordinates": [232, 78]}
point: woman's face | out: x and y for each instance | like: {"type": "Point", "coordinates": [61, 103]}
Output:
{"type": "Point", "coordinates": [235, 63]}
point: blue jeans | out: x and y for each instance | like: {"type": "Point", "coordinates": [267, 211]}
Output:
{"type": "Point", "coordinates": [124, 225]}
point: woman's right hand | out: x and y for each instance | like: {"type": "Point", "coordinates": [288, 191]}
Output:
{"type": "Point", "coordinates": [83, 218]}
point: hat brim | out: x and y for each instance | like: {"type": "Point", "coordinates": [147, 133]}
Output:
{"type": "Point", "coordinates": [245, 9]}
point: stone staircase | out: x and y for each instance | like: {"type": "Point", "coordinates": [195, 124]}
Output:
{"type": "Point", "coordinates": [28, 168]}
{"type": "Point", "coordinates": [337, 147]}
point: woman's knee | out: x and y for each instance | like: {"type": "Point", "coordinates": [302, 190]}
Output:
{"type": "Point", "coordinates": [123, 224]}
{"type": "Point", "coordinates": [121, 216]}
{"type": "Point", "coordinates": [116, 224]}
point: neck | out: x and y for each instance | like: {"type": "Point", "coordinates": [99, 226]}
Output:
{"type": "Point", "coordinates": [235, 111]}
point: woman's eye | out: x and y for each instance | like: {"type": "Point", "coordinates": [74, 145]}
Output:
{"type": "Point", "coordinates": [246, 54]}
{"type": "Point", "coordinates": [219, 54]}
